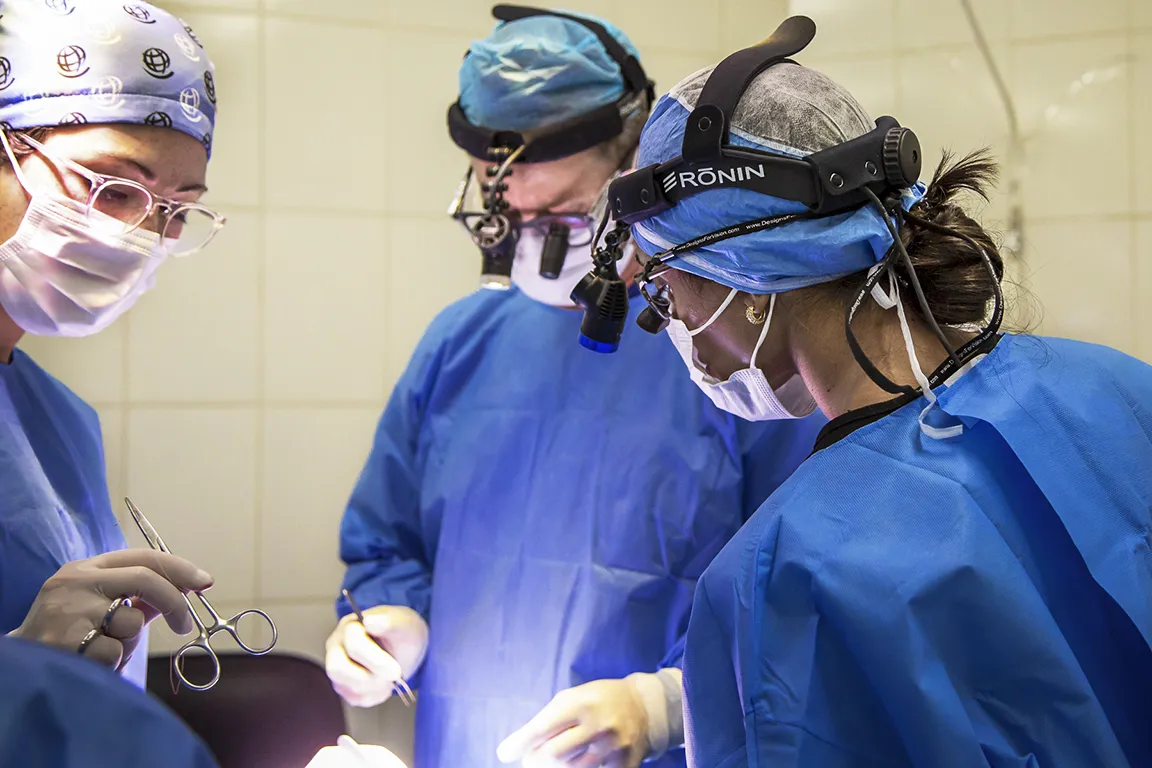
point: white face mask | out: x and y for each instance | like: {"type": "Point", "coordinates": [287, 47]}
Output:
{"type": "Point", "coordinates": [526, 270]}
{"type": "Point", "coordinates": [61, 276]}
{"type": "Point", "coordinates": [746, 393]}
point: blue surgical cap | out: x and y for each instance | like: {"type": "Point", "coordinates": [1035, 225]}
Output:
{"type": "Point", "coordinates": [538, 71]}
{"type": "Point", "coordinates": [789, 110]}
{"type": "Point", "coordinates": [68, 62]}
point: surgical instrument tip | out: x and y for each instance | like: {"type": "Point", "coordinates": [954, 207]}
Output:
{"type": "Point", "coordinates": [400, 687]}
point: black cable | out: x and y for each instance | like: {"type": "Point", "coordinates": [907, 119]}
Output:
{"type": "Point", "coordinates": [858, 353]}
{"type": "Point", "coordinates": [600, 233]}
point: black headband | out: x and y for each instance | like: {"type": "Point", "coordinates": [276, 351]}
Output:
{"type": "Point", "coordinates": [885, 160]}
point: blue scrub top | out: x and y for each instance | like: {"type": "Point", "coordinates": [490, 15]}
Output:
{"type": "Point", "coordinates": [60, 711]}
{"type": "Point", "coordinates": [54, 505]}
{"type": "Point", "coordinates": [982, 600]}
{"type": "Point", "coordinates": [548, 510]}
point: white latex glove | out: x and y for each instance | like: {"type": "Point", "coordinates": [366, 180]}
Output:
{"type": "Point", "coordinates": [613, 723]}
{"type": "Point", "coordinates": [363, 673]}
{"type": "Point", "coordinates": [349, 754]}
{"type": "Point", "coordinates": [75, 600]}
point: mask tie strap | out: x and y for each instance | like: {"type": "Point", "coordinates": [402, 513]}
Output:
{"type": "Point", "coordinates": [885, 300]}
{"type": "Point", "coordinates": [936, 433]}
{"type": "Point", "coordinates": [717, 313]}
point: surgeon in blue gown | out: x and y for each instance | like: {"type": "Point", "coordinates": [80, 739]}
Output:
{"type": "Point", "coordinates": [960, 575]}
{"type": "Point", "coordinates": [528, 530]}
{"type": "Point", "coordinates": [58, 711]}
{"type": "Point", "coordinates": [102, 162]}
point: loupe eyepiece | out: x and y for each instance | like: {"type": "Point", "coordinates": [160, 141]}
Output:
{"type": "Point", "coordinates": [495, 272]}
{"type": "Point", "coordinates": [555, 251]}
{"type": "Point", "coordinates": [651, 321]}
{"type": "Point", "coordinates": [496, 239]}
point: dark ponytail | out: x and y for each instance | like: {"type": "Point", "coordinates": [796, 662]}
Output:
{"type": "Point", "coordinates": [951, 271]}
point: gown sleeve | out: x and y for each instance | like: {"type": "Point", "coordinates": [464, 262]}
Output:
{"type": "Point", "coordinates": [60, 711]}
{"type": "Point", "coordinates": [382, 539]}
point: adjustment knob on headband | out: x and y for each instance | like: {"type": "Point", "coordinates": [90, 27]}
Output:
{"type": "Point", "coordinates": [902, 157]}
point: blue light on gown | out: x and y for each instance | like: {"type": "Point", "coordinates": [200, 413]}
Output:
{"type": "Point", "coordinates": [549, 510]}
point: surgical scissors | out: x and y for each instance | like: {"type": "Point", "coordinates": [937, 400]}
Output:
{"type": "Point", "coordinates": [203, 640]}
{"type": "Point", "coordinates": [400, 687]}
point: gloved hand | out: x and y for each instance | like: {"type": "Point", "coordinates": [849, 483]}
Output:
{"type": "Point", "coordinates": [77, 598]}
{"type": "Point", "coordinates": [348, 754]}
{"type": "Point", "coordinates": [362, 672]}
{"type": "Point", "coordinates": [614, 723]}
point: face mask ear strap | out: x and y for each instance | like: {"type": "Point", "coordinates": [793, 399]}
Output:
{"type": "Point", "coordinates": [15, 163]}
{"type": "Point", "coordinates": [763, 332]}
{"type": "Point", "coordinates": [715, 315]}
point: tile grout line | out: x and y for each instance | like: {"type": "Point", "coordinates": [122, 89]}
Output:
{"type": "Point", "coordinates": [239, 405]}
{"type": "Point", "coordinates": [125, 415]}
{"type": "Point", "coordinates": [1140, 332]}
{"type": "Point", "coordinates": [389, 25]}
{"type": "Point", "coordinates": [386, 89]}
{"type": "Point", "coordinates": [897, 84]}
{"type": "Point", "coordinates": [389, 381]}
{"type": "Point", "coordinates": [379, 25]}
{"type": "Point", "coordinates": [261, 304]}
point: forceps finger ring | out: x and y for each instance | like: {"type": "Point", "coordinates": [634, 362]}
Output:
{"type": "Point", "coordinates": [197, 648]}
{"type": "Point", "coordinates": [202, 644]}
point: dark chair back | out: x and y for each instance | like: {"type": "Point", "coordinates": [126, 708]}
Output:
{"type": "Point", "coordinates": [273, 711]}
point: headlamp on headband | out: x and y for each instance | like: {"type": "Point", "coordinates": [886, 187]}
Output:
{"type": "Point", "coordinates": [879, 164]}
{"type": "Point", "coordinates": [493, 230]}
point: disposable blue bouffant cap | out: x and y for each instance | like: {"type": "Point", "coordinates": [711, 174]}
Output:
{"type": "Point", "coordinates": [788, 110]}
{"type": "Point", "coordinates": [538, 71]}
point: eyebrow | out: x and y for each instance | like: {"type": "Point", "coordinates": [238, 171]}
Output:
{"type": "Point", "coordinates": [147, 173]}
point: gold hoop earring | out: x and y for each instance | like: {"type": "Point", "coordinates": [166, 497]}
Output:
{"type": "Point", "coordinates": [755, 319]}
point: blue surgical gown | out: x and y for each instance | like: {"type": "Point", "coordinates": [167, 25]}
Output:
{"type": "Point", "coordinates": [548, 510]}
{"type": "Point", "coordinates": [983, 600]}
{"type": "Point", "coordinates": [60, 711]}
{"type": "Point", "coordinates": [54, 504]}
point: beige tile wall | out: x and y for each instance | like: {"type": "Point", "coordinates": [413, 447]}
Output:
{"type": "Point", "coordinates": [239, 398]}
{"type": "Point", "coordinates": [1080, 75]}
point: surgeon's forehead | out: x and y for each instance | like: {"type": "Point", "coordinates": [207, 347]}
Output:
{"type": "Point", "coordinates": [548, 186]}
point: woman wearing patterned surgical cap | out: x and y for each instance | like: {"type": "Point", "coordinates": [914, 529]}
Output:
{"type": "Point", "coordinates": [107, 113]}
